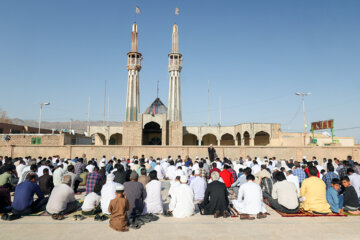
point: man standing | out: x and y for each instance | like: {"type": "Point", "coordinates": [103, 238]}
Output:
{"type": "Point", "coordinates": [212, 152]}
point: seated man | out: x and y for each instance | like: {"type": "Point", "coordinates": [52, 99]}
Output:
{"type": "Point", "coordinates": [136, 194]}
{"type": "Point", "coordinates": [46, 182]}
{"type": "Point", "coordinates": [313, 193]}
{"type": "Point", "coordinates": [226, 176]}
{"type": "Point", "coordinates": [108, 192]}
{"type": "Point", "coordinates": [351, 202]}
{"type": "Point", "coordinates": [93, 179]}
{"type": "Point", "coordinates": [91, 205]}
{"type": "Point", "coordinates": [198, 185]}
{"type": "Point", "coordinates": [118, 208]}
{"type": "Point", "coordinates": [23, 203]}
{"type": "Point", "coordinates": [62, 199]}
{"type": "Point", "coordinates": [284, 197]}
{"type": "Point", "coordinates": [332, 196]}
{"type": "Point", "coordinates": [5, 199]}
{"type": "Point", "coordinates": [84, 175]}
{"type": "Point", "coordinates": [153, 201]}
{"type": "Point", "coordinates": [75, 179]}
{"type": "Point", "coordinates": [216, 198]}
{"type": "Point", "coordinates": [182, 200]}
{"type": "Point", "coordinates": [143, 179]}
{"type": "Point", "coordinates": [250, 200]}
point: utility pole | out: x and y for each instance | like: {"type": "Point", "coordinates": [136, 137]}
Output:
{"type": "Point", "coordinates": [41, 107]}
{"type": "Point", "coordinates": [104, 103]}
{"type": "Point", "coordinates": [88, 130]}
{"type": "Point", "coordinates": [208, 123]}
{"type": "Point", "coordinates": [219, 110]}
{"type": "Point", "coordinates": [303, 103]}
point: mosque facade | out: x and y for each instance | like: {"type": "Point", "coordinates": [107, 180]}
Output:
{"type": "Point", "coordinates": [161, 125]}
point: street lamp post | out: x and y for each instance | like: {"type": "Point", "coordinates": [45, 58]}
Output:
{"type": "Point", "coordinates": [41, 107]}
{"type": "Point", "coordinates": [303, 103]}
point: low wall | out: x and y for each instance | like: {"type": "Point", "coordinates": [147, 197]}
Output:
{"type": "Point", "coordinates": [232, 152]}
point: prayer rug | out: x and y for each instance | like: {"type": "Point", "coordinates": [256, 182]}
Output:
{"type": "Point", "coordinates": [349, 214]}
{"type": "Point", "coordinates": [303, 213]}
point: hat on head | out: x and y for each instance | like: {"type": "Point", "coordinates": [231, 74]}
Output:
{"type": "Point", "coordinates": [120, 188]}
{"type": "Point", "coordinates": [134, 175]}
{"type": "Point", "coordinates": [183, 179]}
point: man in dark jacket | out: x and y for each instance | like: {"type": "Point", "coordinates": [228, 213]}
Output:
{"type": "Point", "coordinates": [212, 153]}
{"type": "Point", "coordinates": [216, 198]}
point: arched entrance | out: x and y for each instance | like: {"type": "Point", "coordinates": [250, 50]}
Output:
{"type": "Point", "coordinates": [227, 140]}
{"type": "Point", "coordinates": [115, 139]}
{"type": "Point", "coordinates": [98, 139]}
{"type": "Point", "coordinates": [208, 139]}
{"type": "Point", "coordinates": [238, 138]}
{"type": "Point", "coordinates": [190, 139]}
{"type": "Point", "coordinates": [246, 138]}
{"type": "Point", "coordinates": [152, 134]}
{"type": "Point", "coordinates": [262, 139]}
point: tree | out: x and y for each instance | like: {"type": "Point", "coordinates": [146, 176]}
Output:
{"type": "Point", "coordinates": [3, 117]}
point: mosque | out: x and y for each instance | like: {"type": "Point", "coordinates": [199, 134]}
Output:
{"type": "Point", "coordinates": [161, 125]}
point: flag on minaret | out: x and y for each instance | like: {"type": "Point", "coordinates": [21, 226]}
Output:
{"type": "Point", "coordinates": [177, 11]}
{"type": "Point", "coordinates": [138, 11]}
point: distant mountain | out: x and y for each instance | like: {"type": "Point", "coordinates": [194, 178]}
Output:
{"type": "Point", "coordinates": [78, 126]}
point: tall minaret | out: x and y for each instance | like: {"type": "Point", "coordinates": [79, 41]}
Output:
{"type": "Point", "coordinates": [134, 67]}
{"type": "Point", "coordinates": [175, 58]}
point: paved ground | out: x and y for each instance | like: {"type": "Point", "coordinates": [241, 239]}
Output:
{"type": "Point", "coordinates": [195, 227]}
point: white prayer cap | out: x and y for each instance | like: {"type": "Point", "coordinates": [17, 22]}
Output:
{"type": "Point", "coordinates": [276, 169]}
{"type": "Point", "coordinates": [210, 145]}
{"type": "Point", "coordinates": [183, 179]}
{"type": "Point", "coordinates": [110, 177]}
{"type": "Point", "coordinates": [197, 157]}
{"type": "Point", "coordinates": [158, 161]}
{"type": "Point", "coordinates": [120, 188]}
{"type": "Point", "coordinates": [197, 171]}
{"type": "Point", "coordinates": [304, 157]}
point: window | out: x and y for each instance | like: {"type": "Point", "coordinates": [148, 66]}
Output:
{"type": "Point", "coordinates": [1, 130]}
{"type": "Point", "coordinates": [36, 140]}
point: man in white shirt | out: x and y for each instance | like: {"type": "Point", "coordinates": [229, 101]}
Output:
{"type": "Point", "coordinates": [58, 174]}
{"type": "Point", "coordinates": [354, 180]}
{"type": "Point", "coordinates": [255, 168]}
{"type": "Point", "coordinates": [165, 164]}
{"type": "Point", "coordinates": [20, 168]}
{"type": "Point", "coordinates": [250, 200]}
{"type": "Point", "coordinates": [182, 201]}
{"type": "Point", "coordinates": [62, 199]}
{"type": "Point", "coordinates": [170, 172]}
{"type": "Point", "coordinates": [40, 170]}
{"type": "Point", "coordinates": [294, 179]}
{"type": "Point", "coordinates": [153, 200]}
{"type": "Point", "coordinates": [90, 167]}
{"type": "Point", "coordinates": [108, 193]}
{"type": "Point", "coordinates": [159, 170]}
{"type": "Point", "coordinates": [198, 185]}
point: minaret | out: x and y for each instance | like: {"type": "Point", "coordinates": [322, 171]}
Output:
{"type": "Point", "coordinates": [175, 58]}
{"type": "Point", "coordinates": [134, 67]}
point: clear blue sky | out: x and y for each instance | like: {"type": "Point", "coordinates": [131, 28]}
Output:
{"type": "Point", "coordinates": [256, 55]}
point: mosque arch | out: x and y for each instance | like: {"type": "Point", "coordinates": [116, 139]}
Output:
{"type": "Point", "coordinates": [152, 134]}
{"type": "Point", "coordinates": [98, 139]}
{"type": "Point", "coordinates": [262, 138]}
{"type": "Point", "coordinates": [115, 139]}
{"type": "Point", "coordinates": [246, 138]}
{"type": "Point", "coordinates": [227, 140]}
{"type": "Point", "coordinates": [190, 139]}
{"type": "Point", "coordinates": [238, 138]}
{"type": "Point", "coordinates": [208, 139]}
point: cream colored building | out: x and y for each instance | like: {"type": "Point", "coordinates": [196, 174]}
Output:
{"type": "Point", "coordinates": [160, 125]}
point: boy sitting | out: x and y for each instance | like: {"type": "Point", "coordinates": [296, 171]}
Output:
{"type": "Point", "coordinates": [91, 205]}
{"type": "Point", "coordinates": [351, 201]}
{"type": "Point", "coordinates": [332, 196]}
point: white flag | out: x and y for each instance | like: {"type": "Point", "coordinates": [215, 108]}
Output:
{"type": "Point", "coordinates": [177, 11]}
{"type": "Point", "coordinates": [138, 11]}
